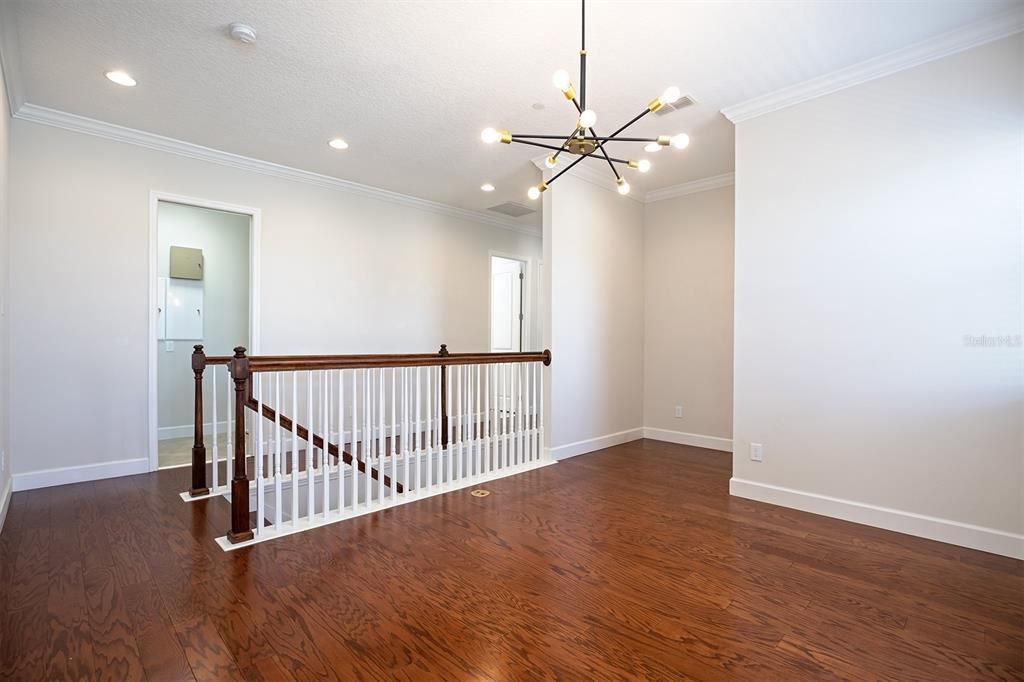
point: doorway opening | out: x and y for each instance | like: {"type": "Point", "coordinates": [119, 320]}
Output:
{"type": "Point", "coordinates": [203, 289]}
{"type": "Point", "coordinates": [509, 297]}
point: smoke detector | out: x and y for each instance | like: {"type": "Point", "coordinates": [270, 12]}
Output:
{"type": "Point", "coordinates": [243, 33]}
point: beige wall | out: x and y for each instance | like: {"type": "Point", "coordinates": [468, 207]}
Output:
{"type": "Point", "coordinates": [876, 228]}
{"type": "Point", "coordinates": [688, 289]}
{"type": "Point", "coordinates": [593, 250]}
{"type": "Point", "coordinates": [5, 458]}
{"type": "Point", "coordinates": [340, 273]}
{"type": "Point", "coordinates": [224, 240]}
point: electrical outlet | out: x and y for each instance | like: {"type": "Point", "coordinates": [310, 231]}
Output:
{"type": "Point", "coordinates": [756, 455]}
{"type": "Point", "coordinates": [679, 411]}
{"type": "Point", "coordinates": [169, 346]}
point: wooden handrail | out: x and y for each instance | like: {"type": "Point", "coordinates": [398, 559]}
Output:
{"type": "Point", "coordinates": [283, 363]}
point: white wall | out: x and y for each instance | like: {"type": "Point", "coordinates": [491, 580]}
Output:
{"type": "Point", "coordinates": [593, 255]}
{"type": "Point", "coordinates": [5, 459]}
{"type": "Point", "coordinates": [224, 240]}
{"type": "Point", "coordinates": [341, 273]}
{"type": "Point", "coordinates": [688, 292]}
{"type": "Point", "coordinates": [876, 228]}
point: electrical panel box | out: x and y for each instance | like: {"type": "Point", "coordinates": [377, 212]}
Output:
{"type": "Point", "coordinates": [186, 263]}
{"type": "Point", "coordinates": [184, 310]}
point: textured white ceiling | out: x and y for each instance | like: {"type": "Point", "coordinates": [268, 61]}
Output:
{"type": "Point", "coordinates": [410, 84]}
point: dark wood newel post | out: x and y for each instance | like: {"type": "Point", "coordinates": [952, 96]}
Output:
{"type": "Point", "coordinates": [198, 447]}
{"type": "Point", "coordinates": [443, 353]}
{"type": "Point", "coordinates": [240, 529]}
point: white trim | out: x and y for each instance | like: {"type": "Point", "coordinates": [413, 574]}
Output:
{"type": "Point", "coordinates": [697, 440]}
{"type": "Point", "coordinates": [185, 430]}
{"type": "Point", "coordinates": [255, 232]}
{"type": "Point", "coordinates": [44, 478]}
{"type": "Point", "coordinates": [930, 527]}
{"type": "Point", "coordinates": [5, 501]}
{"type": "Point", "coordinates": [692, 187]}
{"type": "Point", "coordinates": [587, 173]}
{"type": "Point", "coordinates": [110, 131]}
{"type": "Point", "coordinates": [582, 447]}
{"type": "Point", "coordinates": [964, 38]}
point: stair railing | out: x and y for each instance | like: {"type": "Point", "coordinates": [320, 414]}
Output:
{"type": "Point", "coordinates": [316, 439]}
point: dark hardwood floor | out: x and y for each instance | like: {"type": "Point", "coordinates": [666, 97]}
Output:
{"type": "Point", "coordinates": [630, 563]}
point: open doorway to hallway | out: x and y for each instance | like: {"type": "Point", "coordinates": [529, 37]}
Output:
{"type": "Point", "coordinates": [203, 285]}
{"type": "Point", "coordinates": [509, 318]}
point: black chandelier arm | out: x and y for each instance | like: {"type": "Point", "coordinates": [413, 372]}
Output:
{"type": "Point", "coordinates": [583, 52]}
{"type": "Point", "coordinates": [566, 142]}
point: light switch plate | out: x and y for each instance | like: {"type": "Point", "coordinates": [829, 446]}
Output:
{"type": "Point", "coordinates": [169, 346]}
{"type": "Point", "coordinates": [756, 452]}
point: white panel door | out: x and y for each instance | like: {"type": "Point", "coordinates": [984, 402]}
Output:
{"type": "Point", "coordinates": [506, 305]}
{"type": "Point", "coordinates": [185, 310]}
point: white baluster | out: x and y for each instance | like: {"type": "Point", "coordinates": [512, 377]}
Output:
{"type": "Point", "coordinates": [406, 433]}
{"type": "Point", "coordinates": [382, 446]}
{"type": "Point", "coordinates": [325, 452]}
{"type": "Point", "coordinates": [418, 444]}
{"type": "Point", "coordinates": [430, 383]}
{"type": "Point", "coordinates": [449, 466]}
{"type": "Point", "coordinates": [294, 477]}
{"type": "Point", "coordinates": [394, 432]}
{"type": "Point", "coordinates": [504, 415]}
{"type": "Point", "coordinates": [540, 413]}
{"type": "Point", "coordinates": [230, 449]}
{"type": "Point", "coordinates": [278, 512]}
{"type": "Point", "coordinates": [258, 379]}
{"type": "Point", "coordinates": [522, 412]}
{"type": "Point", "coordinates": [310, 482]}
{"type": "Point", "coordinates": [367, 436]}
{"type": "Point", "coordinates": [213, 395]}
{"type": "Point", "coordinates": [533, 412]}
{"type": "Point", "coordinates": [487, 419]}
{"type": "Point", "coordinates": [355, 439]}
{"type": "Point", "coordinates": [341, 441]}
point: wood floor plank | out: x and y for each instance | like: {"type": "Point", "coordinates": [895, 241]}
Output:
{"type": "Point", "coordinates": [629, 563]}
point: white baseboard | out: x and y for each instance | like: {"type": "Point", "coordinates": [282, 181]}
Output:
{"type": "Point", "coordinates": [697, 440]}
{"type": "Point", "coordinates": [5, 501]}
{"type": "Point", "coordinates": [30, 480]}
{"type": "Point", "coordinates": [930, 527]}
{"type": "Point", "coordinates": [185, 430]}
{"type": "Point", "coordinates": [581, 447]}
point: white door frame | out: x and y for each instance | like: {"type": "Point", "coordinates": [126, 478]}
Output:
{"type": "Point", "coordinates": [527, 300]}
{"type": "Point", "coordinates": [155, 197]}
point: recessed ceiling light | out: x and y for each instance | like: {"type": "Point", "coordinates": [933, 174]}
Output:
{"type": "Point", "coordinates": [539, 106]}
{"type": "Point", "coordinates": [338, 143]}
{"type": "Point", "coordinates": [487, 187]}
{"type": "Point", "coordinates": [121, 78]}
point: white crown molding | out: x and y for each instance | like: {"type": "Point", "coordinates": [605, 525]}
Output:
{"type": "Point", "coordinates": [110, 131]}
{"type": "Point", "coordinates": [964, 38]}
{"type": "Point", "coordinates": [9, 58]}
{"type": "Point", "coordinates": [587, 171]}
{"type": "Point", "coordinates": [692, 187]}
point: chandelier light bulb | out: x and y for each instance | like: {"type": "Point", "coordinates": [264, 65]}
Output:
{"type": "Point", "coordinates": [560, 79]}
{"type": "Point", "coordinates": [533, 193]}
{"type": "Point", "coordinates": [623, 187]}
{"type": "Point", "coordinates": [551, 161]}
{"type": "Point", "coordinates": [588, 118]}
{"type": "Point", "coordinates": [680, 141]}
{"type": "Point", "coordinates": [652, 148]}
{"type": "Point", "coordinates": [670, 95]}
{"type": "Point", "coordinates": [643, 166]}
{"type": "Point", "coordinates": [490, 135]}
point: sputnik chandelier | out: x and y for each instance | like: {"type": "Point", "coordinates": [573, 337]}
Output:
{"type": "Point", "coordinates": [584, 141]}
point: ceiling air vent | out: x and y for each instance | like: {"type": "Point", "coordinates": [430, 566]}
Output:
{"type": "Point", "coordinates": [681, 103]}
{"type": "Point", "coordinates": [511, 208]}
